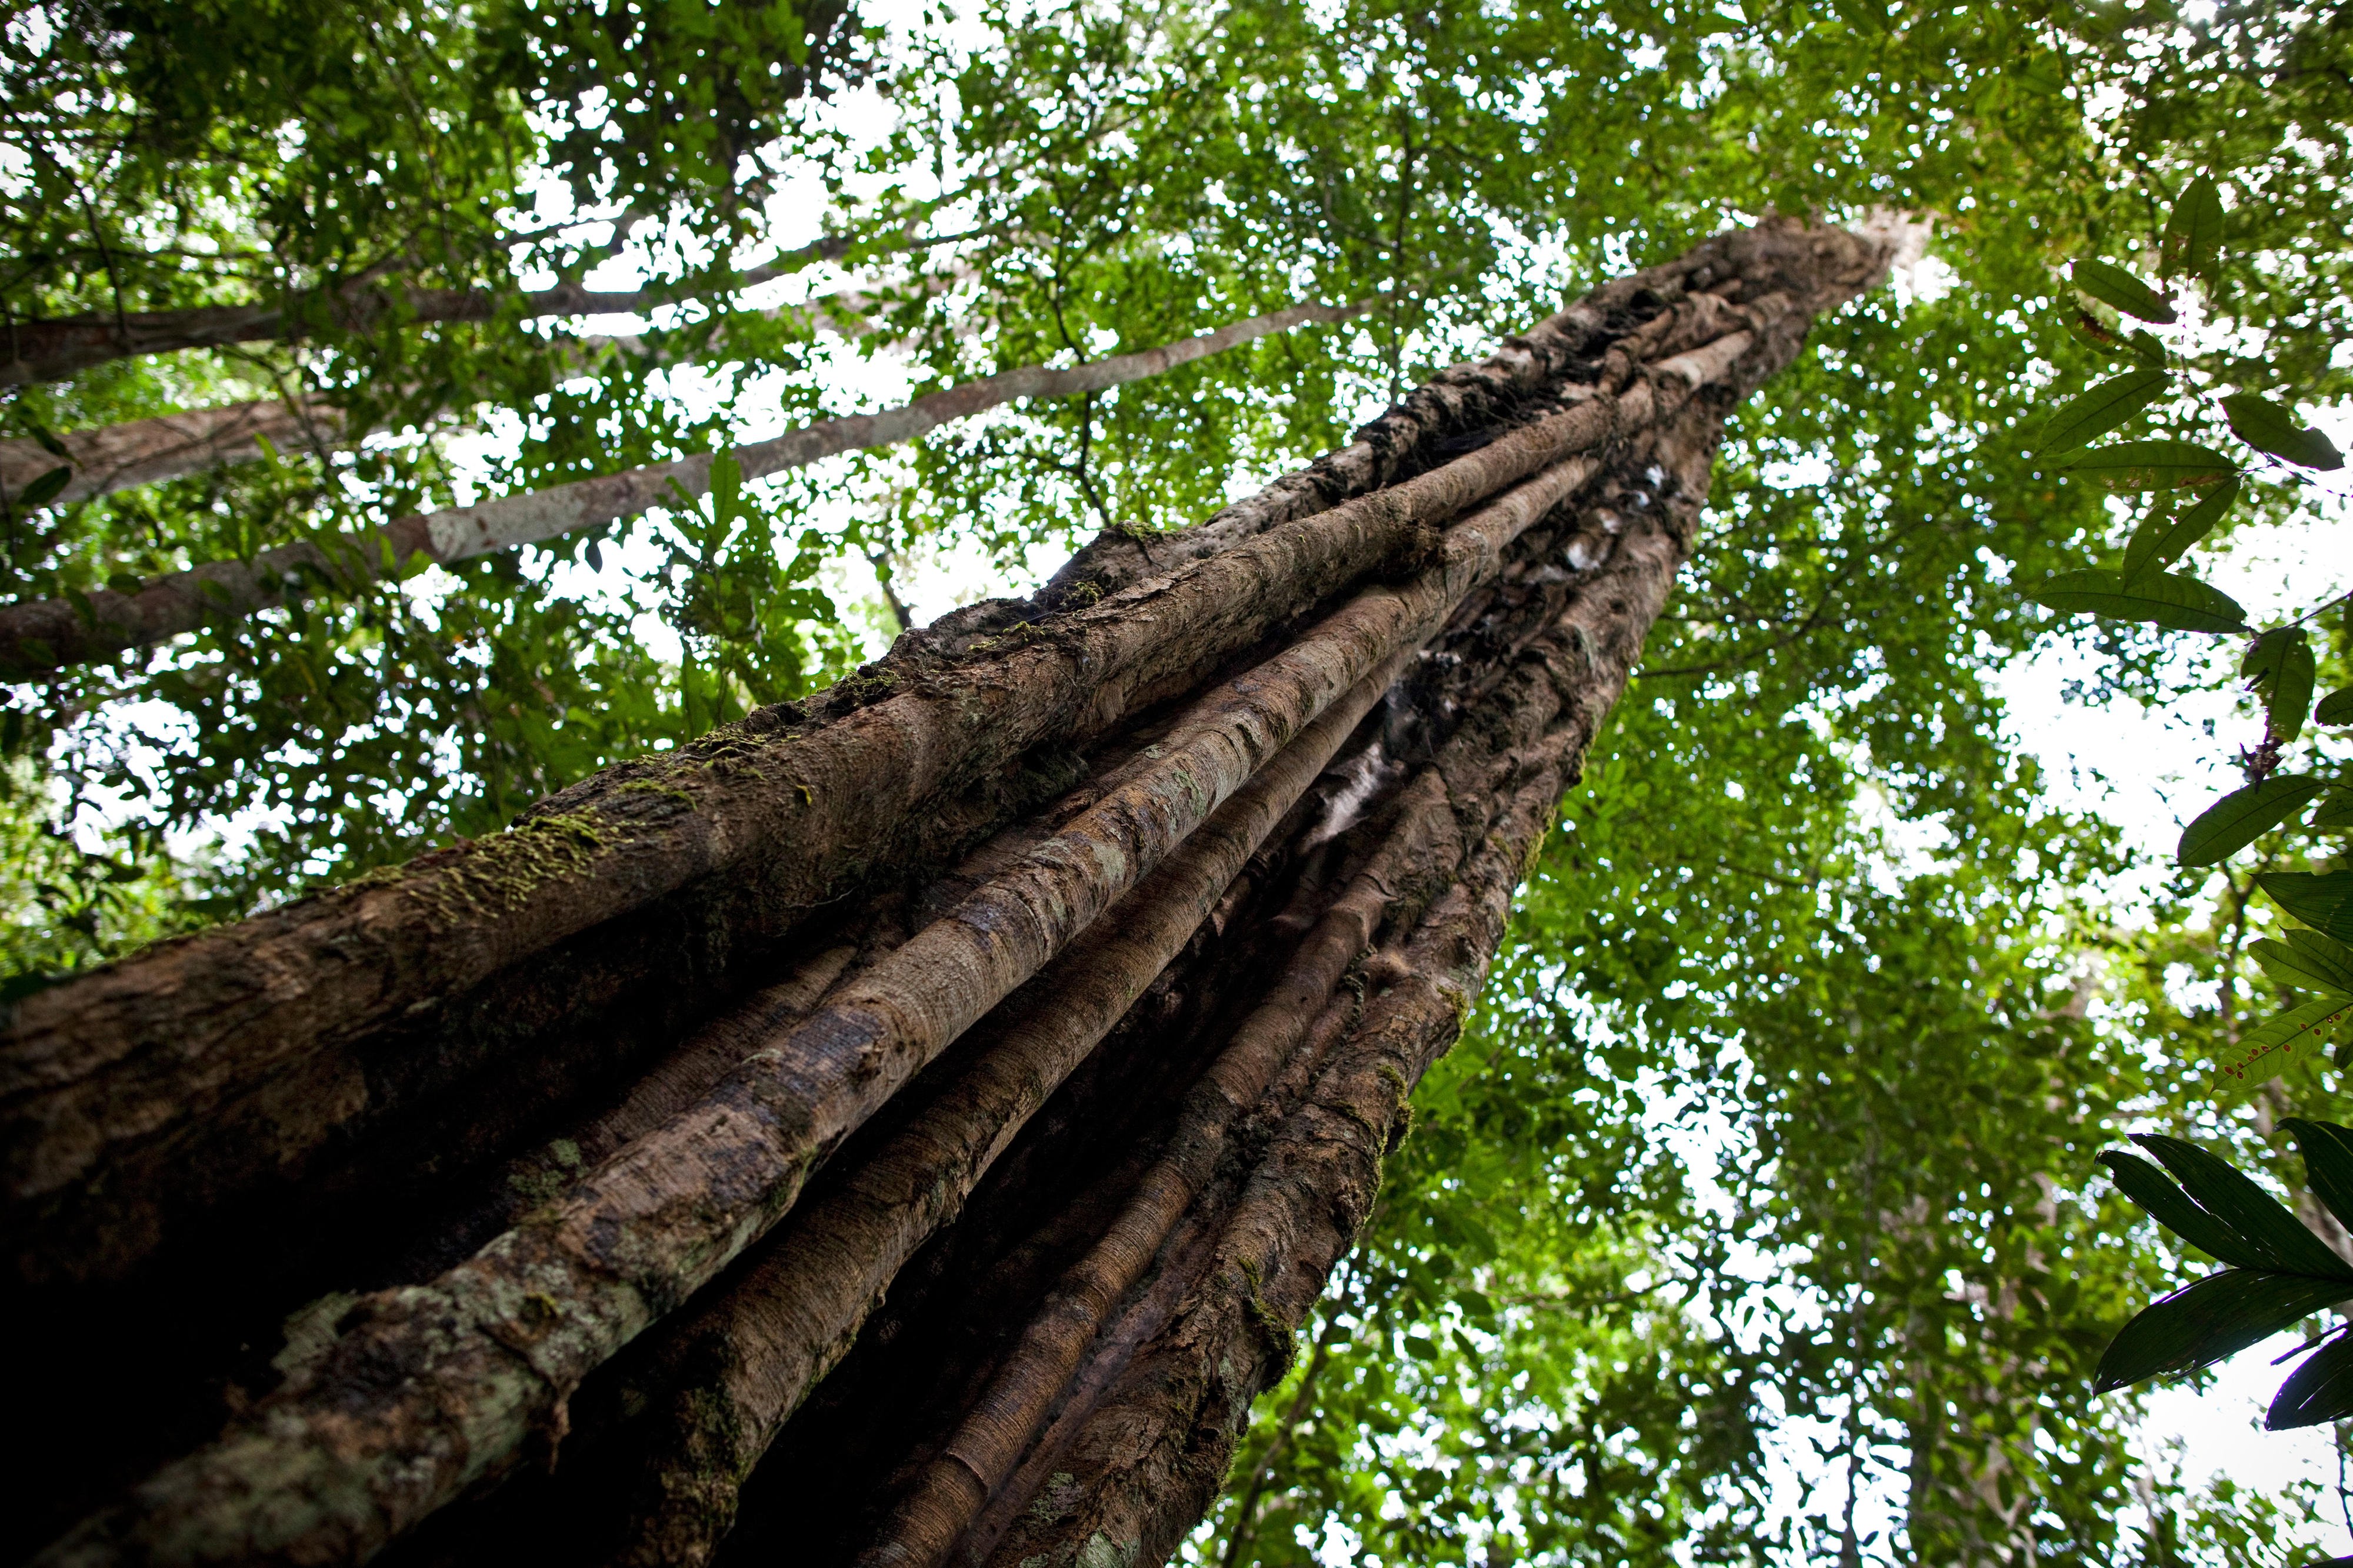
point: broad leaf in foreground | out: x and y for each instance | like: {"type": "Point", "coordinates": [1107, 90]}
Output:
{"type": "Point", "coordinates": [2218, 1317]}
{"type": "Point", "coordinates": [2319, 1390]}
{"type": "Point", "coordinates": [2323, 899]}
{"type": "Point", "coordinates": [2161, 539]}
{"type": "Point", "coordinates": [2112, 285]}
{"type": "Point", "coordinates": [2306, 961]}
{"type": "Point", "coordinates": [2094, 414]}
{"type": "Point", "coordinates": [2193, 232]}
{"type": "Point", "coordinates": [2280, 663]}
{"type": "Point", "coordinates": [2176, 603]}
{"type": "Point", "coordinates": [2243, 815]}
{"type": "Point", "coordinates": [2267, 427]}
{"type": "Point", "coordinates": [2280, 1271]}
{"type": "Point", "coordinates": [2310, 1024]}
{"type": "Point", "coordinates": [2158, 465]}
{"type": "Point", "coordinates": [2327, 1151]}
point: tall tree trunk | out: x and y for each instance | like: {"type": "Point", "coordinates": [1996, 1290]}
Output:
{"type": "Point", "coordinates": [906, 1127]}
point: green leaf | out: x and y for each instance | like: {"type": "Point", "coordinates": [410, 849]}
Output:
{"type": "Point", "coordinates": [2160, 539]}
{"type": "Point", "coordinates": [2310, 1023]}
{"type": "Point", "coordinates": [2327, 1151]}
{"type": "Point", "coordinates": [2306, 960]}
{"type": "Point", "coordinates": [2336, 813]}
{"type": "Point", "coordinates": [2243, 815]}
{"type": "Point", "coordinates": [2193, 232]}
{"type": "Point", "coordinates": [2217, 1317]}
{"type": "Point", "coordinates": [2101, 338]}
{"type": "Point", "coordinates": [2337, 707]}
{"type": "Point", "coordinates": [2323, 901]}
{"type": "Point", "coordinates": [47, 440]}
{"type": "Point", "coordinates": [2167, 1205]}
{"type": "Point", "coordinates": [2160, 465]}
{"type": "Point", "coordinates": [2319, 1392]}
{"type": "Point", "coordinates": [2178, 604]}
{"type": "Point", "coordinates": [45, 489]}
{"type": "Point", "coordinates": [2112, 285]}
{"type": "Point", "coordinates": [2094, 414]}
{"type": "Point", "coordinates": [2279, 662]}
{"type": "Point", "coordinates": [2267, 427]}
{"type": "Point", "coordinates": [2279, 1238]}
{"type": "Point", "coordinates": [2144, 347]}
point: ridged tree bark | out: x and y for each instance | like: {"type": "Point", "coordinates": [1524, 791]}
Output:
{"type": "Point", "coordinates": [907, 1126]}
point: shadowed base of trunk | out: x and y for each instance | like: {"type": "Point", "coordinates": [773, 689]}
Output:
{"type": "Point", "coordinates": [1015, 1308]}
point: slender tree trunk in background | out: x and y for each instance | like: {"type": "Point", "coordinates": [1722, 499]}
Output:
{"type": "Point", "coordinates": [906, 1127]}
{"type": "Point", "coordinates": [169, 446]}
{"type": "Point", "coordinates": [65, 346]}
{"type": "Point", "coordinates": [37, 636]}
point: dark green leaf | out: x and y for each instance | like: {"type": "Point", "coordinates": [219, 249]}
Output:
{"type": "Point", "coordinates": [2094, 414]}
{"type": "Point", "coordinates": [2327, 1151]}
{"type": "Point", "coordinates": [2323, 901]}
{"type": "Point", "coordinates": [2280, 663]}
{"type": "Point", "coordinates": [2267, 427]}
{"type": "Point", "coordinates": [2336, 813]}
{"type": "Point", "coordinates": [2319, 1392]}
{"type": "Point", "coordinates": [2160, 465]}
{"type": "Point", "coordinates": [47, 440]}
{"type": "Point", "coordinates": [2193, 232]}
{"type": "Point", "coordinates": [2161, 539]}
{"type": "Point", "coordinates": [18, 987]}
{"type": "Point", "coordinates": [2112, 285]}
{"type": "Point", "coordinates": [2243, 815]}
{"type": "Point", "coordinates": [2178, 604]}
{"type": "Point", "coordinates": [47, 487]}
{"type": "Point", "coordinates": [2337, 707]}
{"type": "Point", "coordinates": [2167, 1205]}
{"type": "Point", "coordinates": [2306, 960]}
{"type": "Point", "coordinates": [2217, 1317]}
{"type": "Point", "coordinates": [2277, 1235]}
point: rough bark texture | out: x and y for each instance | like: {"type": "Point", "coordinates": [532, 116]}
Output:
{"type": "Point", "coordinates": [47, 634]}
{"type": "Point", "coordinates": [169, 446]}
{"type": "Point", "coordinates": [909, 1127]}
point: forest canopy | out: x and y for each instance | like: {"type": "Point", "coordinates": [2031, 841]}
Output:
{"type": "Point", "coordinates": [1756, 1217]}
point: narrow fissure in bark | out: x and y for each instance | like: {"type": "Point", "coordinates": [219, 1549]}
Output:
{"type": "Point", "coordinates": [1005, 1209]}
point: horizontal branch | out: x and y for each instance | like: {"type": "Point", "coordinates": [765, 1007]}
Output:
{"type": "Point", "coordinates": [62, 347]}
{"type": "Point", "coordinates": [169, 446]}
{"type": "Point", "coordinates": [46, 635]}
